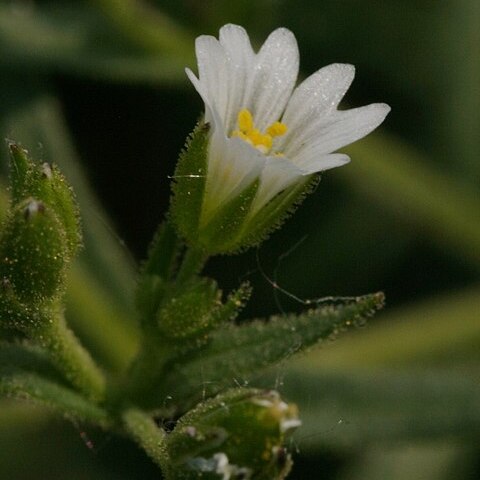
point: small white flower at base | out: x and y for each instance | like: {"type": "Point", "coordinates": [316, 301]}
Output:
{"type": "Point", "coordinates": [261, 127]}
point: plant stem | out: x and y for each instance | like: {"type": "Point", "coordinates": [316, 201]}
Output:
{"type": "Point", "coordinates": [70, 357]}
{"type": "Point", "coordinates": [193, 262]}
{"type": "Point", "coordinates": [147, 434]}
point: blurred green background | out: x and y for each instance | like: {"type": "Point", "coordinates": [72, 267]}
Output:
{"type": "Point", "coordinates": [99, 88]}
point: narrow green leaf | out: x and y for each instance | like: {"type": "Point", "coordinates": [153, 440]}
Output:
{"type": "Point", "coordinates": [28, 385]}
{"type": "Point", "coordinates": [27, 357]}
{"type": "Point", "coordinates": [237, 353]}
{"type": "Point", "coordinates": [438, 330]}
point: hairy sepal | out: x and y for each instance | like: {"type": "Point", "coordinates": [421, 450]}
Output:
{"type": "Point", "coordinates": [189, 184]}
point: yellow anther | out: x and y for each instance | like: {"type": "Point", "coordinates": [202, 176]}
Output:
{"type": "Point", "coordinates": [247, 132]}
{"type": "Point", "coordinates": [277, 129]}
{"type": "Point", "coordinates": [245, 121]}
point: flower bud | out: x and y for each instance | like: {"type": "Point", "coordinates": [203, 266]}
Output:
{"type": "Point", "coordinates": [33, 252]}
{"type": "Point", "coordinates": [237, 435]}
{"type": "Point", "coordinates": [191, 313]}
{"type": "Point", "coordinates": [47, 185]}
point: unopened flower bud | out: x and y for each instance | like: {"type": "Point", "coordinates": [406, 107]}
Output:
{"type": "Point", "coordinates": [46, 184]}
{"type": "Point", "coordinates": [237, 435]}
{"type": "Point", "coordinates": [33, 252]}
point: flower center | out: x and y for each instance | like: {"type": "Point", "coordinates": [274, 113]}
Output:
{"type": "Point", "coordinates": [262, 141]}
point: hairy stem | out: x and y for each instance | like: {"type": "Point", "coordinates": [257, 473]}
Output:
{"type": "Point", "coordinates": [193, 262]}
{"type": "Point", "coordinates": [147, 434]}
{"type": "Point", "coordinates": [70, 357]}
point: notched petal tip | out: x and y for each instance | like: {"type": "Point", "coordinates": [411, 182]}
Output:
{"type": "Point", "coordinates": [232, 29]}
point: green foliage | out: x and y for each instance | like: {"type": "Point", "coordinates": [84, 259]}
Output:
{"type": "Point", "coordinates": [29, 386]}
{"type": "Point", "coordinates": [236, 353]}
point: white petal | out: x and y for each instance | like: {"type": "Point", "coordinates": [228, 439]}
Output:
{"type": "Point", "coordinates": [312, 162]}
{"type": "Point", "coordinates": [232, 166]}
{"type": "Point", "coordinates": [201, 89]}
{"type": "Point", "coordinates": [337, 130]}
{"type": "Point", "coordinates": [213, 73]}
{"type": "Point", "coordinates": [278, 174]}
{"type": "Point", "coordinates": [240, 58]}
{"type": "Point", "coordinates": [316, 96]}
{"type": "Point", "coordinates": [276, 70]}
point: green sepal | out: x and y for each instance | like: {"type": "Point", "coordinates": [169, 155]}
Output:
{"type": "Point", "coordinates": [33, 252]}
{"type": "Point", "coordinates": [242, 351]}
{"type": "Point", "coordinates": [272, 216]}
{"type": "Point", "coordinates": [222, 233]}
{"type": "Point", "coordinates": [59, 196]}
{"type": "Point", "coordinates": [21, 168]}
{"type": "Point", "coordinates": [229, 310]}
{"type": "Point", "coordinates": [238, 435]}
{"type": "Point", "coordinates": [188, 184]}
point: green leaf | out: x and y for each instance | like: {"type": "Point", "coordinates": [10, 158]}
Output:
{"type": "Point", "coordinates": [21, 384]}
{"type": "Point", "coordinates": [237, 353]}
{"type": "Point", "coordinates": [441, 329]}
{"type": "Point", "coordinates": [27, 357]}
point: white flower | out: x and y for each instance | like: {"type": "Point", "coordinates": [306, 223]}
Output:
{"type": "Point", "coordinates": [262, 127]}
